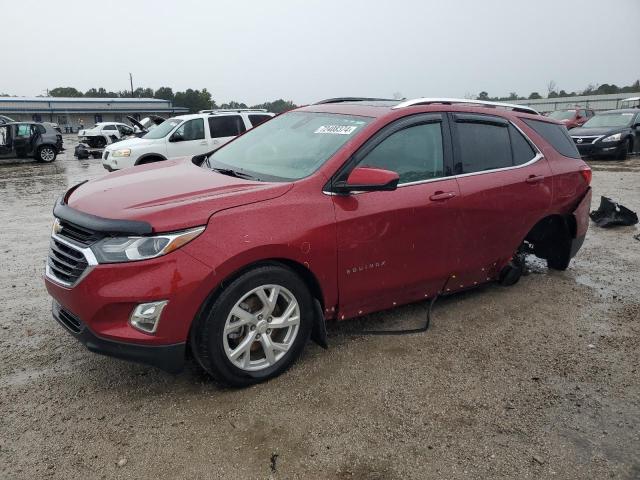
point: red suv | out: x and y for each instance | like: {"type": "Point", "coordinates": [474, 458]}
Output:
{"type": "Point", "coordinates": [331, 211]}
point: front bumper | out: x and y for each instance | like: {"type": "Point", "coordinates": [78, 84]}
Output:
{"type": "Point", "coordinates": [103, 299]}
{"type": "Point", "coordinates": [599, 148]}
{"type": "Point", "coordinates": [169, 358]}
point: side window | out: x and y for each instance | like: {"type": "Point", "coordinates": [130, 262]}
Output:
{"type": "Point", "coordinates": [414, 153]}
{"type": "Point", "coordinates": [41, 128]}
{"type": "Point", "coordinates": [483, 146]}
{"type": "Point", "coordinates": [256, 120]}
{"type": "Point", "coordinates": [192, 130]}
{"type": "Point", "coordinates": [109, 127]}
{"type": "Point", "coordinates": [23, 130]}
{"type": "Point", "coordinates": [226, 126]}
{"type": "Point", "coordinates": [522, 150]}
{"type": "Point", "coordinates": [556, 135]}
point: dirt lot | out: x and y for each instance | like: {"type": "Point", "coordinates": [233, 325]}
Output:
{"type": "Point", "coordinates": [539, 380]}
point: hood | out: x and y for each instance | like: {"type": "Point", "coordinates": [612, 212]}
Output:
{"type": "Point", "coordinates": [592, 132]}
{"type": "Point", "coordinates": [129, 143]}
{"type": "Point", "coordinates": [170, 195]}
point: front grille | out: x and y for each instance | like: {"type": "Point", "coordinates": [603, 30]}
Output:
{"type": "Point", "coordinates": [66, 263]}
{"type": "Point", "coordinates": [78, 234]}
{"type": "Point", "coordinates": [585, 140]}
{"type": "Point", "coordinates": [69, 320]}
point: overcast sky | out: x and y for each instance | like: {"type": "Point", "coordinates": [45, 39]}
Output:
{"type": "Point", "coordinates": [253, 51]}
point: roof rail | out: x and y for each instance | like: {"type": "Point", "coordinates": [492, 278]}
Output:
{"type": "Point", "coordinates": [217, 110]}
{"type": "Point", "coordinates": [354, 99]}
{"type": "Point", "coordinates": [451, 101]}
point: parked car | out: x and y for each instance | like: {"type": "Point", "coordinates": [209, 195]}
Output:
{"type": "Point", "coordinates": [4, 120]}
{"type": "Point", "coordinates": [614, 133]}
{"type": "Point", "coordinates": [572, 117]}
{"type": "Point", "coordinates": [330, 211]}
{"type": "Point", "coordinates": [29, 139]}
{"type": "Point", "coordinates": [145, 125]}
{"type": "Point", "coordinates": [55, 126]}
{"type": "Point", "coordinates": [104, 133]}
{"type": "Point", "coordinates": [182, 135]}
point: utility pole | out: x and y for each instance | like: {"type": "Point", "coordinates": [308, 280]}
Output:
{"type": "Point", "coordinates": [131, 81]}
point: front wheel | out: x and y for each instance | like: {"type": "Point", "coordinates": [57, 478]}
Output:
{"type": "Point", "coordinates": [46, 154]}
{"type": "Point", "coordinates": [256, 328]}
{"type": "Point", "coordinates": [626, 149]}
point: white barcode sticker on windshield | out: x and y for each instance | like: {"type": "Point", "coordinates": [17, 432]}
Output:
{"type": "Point", "coordinates": [336, 129]}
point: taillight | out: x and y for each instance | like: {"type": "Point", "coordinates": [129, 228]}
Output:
{"type": "Point", "coordinates": [586, 174]}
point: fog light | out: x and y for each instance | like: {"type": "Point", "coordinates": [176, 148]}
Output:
{"type": "Point", "coordinates": [146, 316]}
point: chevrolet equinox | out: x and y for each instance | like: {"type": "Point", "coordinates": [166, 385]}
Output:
{"type": "Point", "coordinates": [328, 212]}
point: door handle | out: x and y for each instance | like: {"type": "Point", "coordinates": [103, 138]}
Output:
{"type": "Point", "coordinates": [440, 196]}
{"type": "Point", "coordinates": [532, 179]}
{"type": "Point", "coordinates": [204, 142]}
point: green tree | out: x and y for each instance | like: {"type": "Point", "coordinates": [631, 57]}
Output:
{"type": "Point", "coordinates": [194, 100]}
{"type": "Point", "coordinates": [164, 93]}
{"type": "Point", "coordinates": [483, 96]}
{"type": "Point", "coordinates": [534, 96]}
{"type": "Point", "coordinates": [232, 105]}
{"type": "Point", "coordinates": [277, 106]}
{"type": "Point", "coordinates": [100, 93]}
{"type": "Point", "coordinates": [64, 92]}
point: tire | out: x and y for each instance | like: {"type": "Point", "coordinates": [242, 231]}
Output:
{"type": "Point", "coordinates": [276, 316]}
{"type": "Point", "coordinates": [46, 154]}
{"type": "Point", "coordinates": [100, 142]}
{"type": "Point", "coordinates": [625, 150]}
{"type": "Point", "coordinates": [560, 255]}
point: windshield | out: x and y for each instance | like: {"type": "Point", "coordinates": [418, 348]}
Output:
{"type": "Point", "coordinates": [610, 120]}
{"type": "Point", "coordinates": [289, 147]}
{"type": "Point", "coordinates": [163, 129]}
{"type": "Point", "coordinates": [562, 114]}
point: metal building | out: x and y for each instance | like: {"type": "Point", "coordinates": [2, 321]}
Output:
{"type": "Point", "coordinates": [84, 112]}
{"type": "Point", "coordinates": [594, 102]}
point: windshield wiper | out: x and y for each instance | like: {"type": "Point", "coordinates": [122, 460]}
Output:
{"type": "Point", "coordinates": [234, 173]}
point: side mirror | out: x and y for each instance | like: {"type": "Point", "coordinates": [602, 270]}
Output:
{"type": "Point", "coordinates": [365, 179]}
{"type": "Point", "coordinates": [176, 137]}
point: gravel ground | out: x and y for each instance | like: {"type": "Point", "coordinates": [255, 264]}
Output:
{"type": "Point", "coordinates": [538, 380]}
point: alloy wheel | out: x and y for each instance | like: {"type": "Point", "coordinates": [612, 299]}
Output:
{"type": "Point", "coordinates": [261, 327]}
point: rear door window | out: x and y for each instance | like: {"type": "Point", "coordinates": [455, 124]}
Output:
{"type": "Point", "coordinates": [23, 130]}
{"type": "Point", "coordinates": [226, 126]}
{"type": "Point", "coordinates": [258, 119]}
{"type": "Point", "coordinates": [556, 135]}
{"type": "Point", "coordinates": [414, 153]}
{"type": "Point", "coordinates": [483, 143]}
{"type": "Point", "coordinates": [522, 150]}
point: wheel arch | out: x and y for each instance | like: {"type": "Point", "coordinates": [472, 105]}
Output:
{"type": "Point", "coordinates": [549, 232]}
{"type": "Point", "coordinates": [142, 159]}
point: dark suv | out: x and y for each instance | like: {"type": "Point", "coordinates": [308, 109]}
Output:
{"type": "Point", "coordinates": [29, 139]}
{"type": "Point", "coordinates": [615, 133]}
{"type": "Point", "coordinates": [331, 211]}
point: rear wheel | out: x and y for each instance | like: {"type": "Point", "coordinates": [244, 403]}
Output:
{"type": "Point", "coordinates": [99, 142]}
{"type": "Point", "coordinates": [46, 154]}
{"type": "Point", "coordinates": [256, 328]}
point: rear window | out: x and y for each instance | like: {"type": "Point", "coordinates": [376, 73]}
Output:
{"type": "Point", "coordinates": [258, 119]}
{"type": "Point", "coordinates": [226, 126]}
{"type": "Point", "coordinates": [556, 135]}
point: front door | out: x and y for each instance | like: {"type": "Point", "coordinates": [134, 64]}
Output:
{"type": "Point", "coordinates": [188, 139]}
{"type": "Point", "coordinates": [5, 141]}
{"type": "Point", "coordinates": [22, 141]}
{"type": "Point", "coordinates": [394, 247]}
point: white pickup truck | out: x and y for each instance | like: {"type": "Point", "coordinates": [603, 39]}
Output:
{"type": "Point", "coordinates": [184, 135]}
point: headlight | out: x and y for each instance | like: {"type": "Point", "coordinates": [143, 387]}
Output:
{"type": "Point", "coordinates": [125, 152]}
{"type": "Point", "coordinates": [127, 249]}
{"type": "Point", "coordinates": [613, 138]}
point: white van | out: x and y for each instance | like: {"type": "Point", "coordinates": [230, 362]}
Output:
{"type": "Point", "coordinates": [184, 135]}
